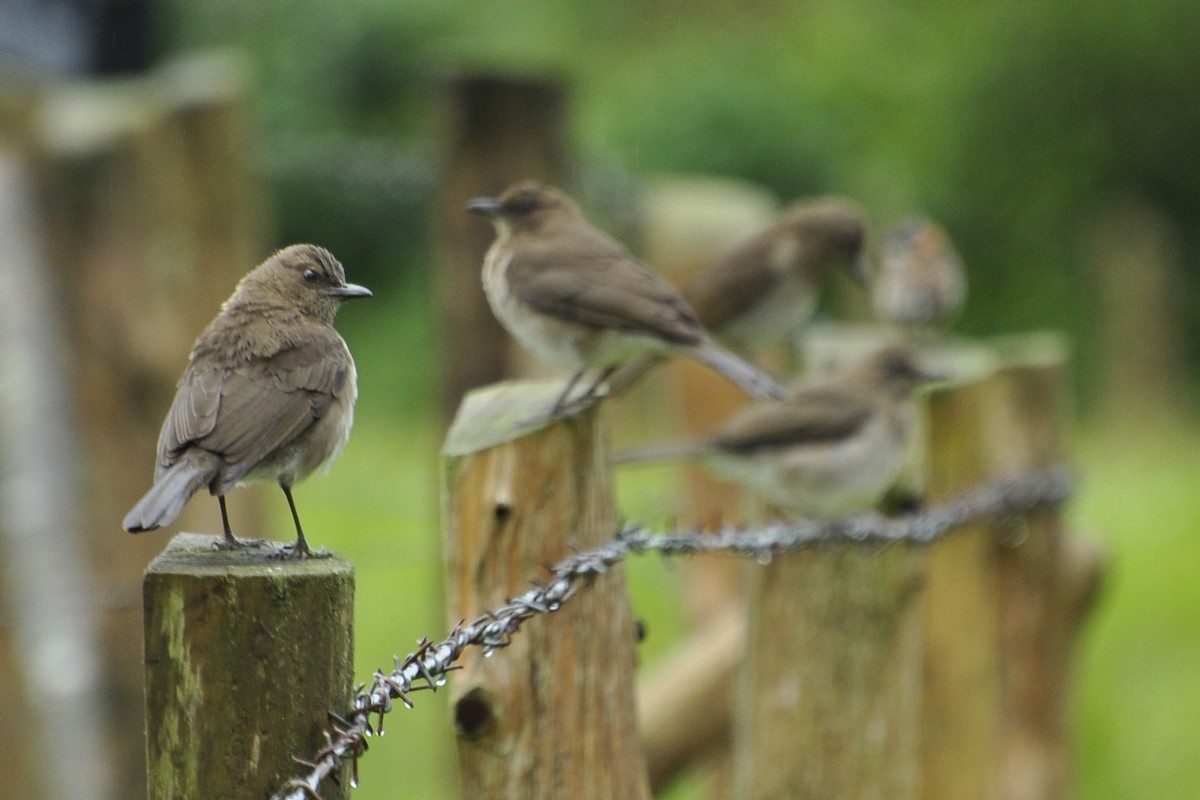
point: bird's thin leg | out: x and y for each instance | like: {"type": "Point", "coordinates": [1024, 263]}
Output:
{"type": "Point", "coordinates": [570, 408]}
{"type": "Point", "coordinates": [231, 541]}
{"type": "Point", "coordinates": [596, 384]}
{"type": "Point", "coordinates": [566, 392]}
{"type": "Point", "coordinates": [300, 548]}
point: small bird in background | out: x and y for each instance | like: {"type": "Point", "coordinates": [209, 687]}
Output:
{"type": "Point", "coordinates": [766, 286]}
{"type": "Point", "coordinates": [831, 447]}
{"type": "Point", "coordinates": [921, 281]}
{"type": "Point", "coordinates": [268, 393]}
{"type": "Point", "coordinates": [577, 298]}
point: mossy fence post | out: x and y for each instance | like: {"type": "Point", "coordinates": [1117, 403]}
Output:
{"type": "Point", "coordinates": [245, 657]}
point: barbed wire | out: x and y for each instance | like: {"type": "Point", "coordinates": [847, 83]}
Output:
{"type": "Point", "coordinates": [428, 666]}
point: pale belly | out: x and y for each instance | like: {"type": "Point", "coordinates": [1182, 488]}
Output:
{"type": "Point", "coordinates": [785, 309]}
{"type": "Point", "coordinates": [560, 342]}
{"type": "Point", "coordinates": [823, 481]}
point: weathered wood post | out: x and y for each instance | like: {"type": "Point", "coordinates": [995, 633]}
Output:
{"type": "Point", "coordinates": [829, 701]}
{"type": "Point", "coordinates": [829, 692]}
{"type": "Point", "coordinates": [48, 606]}
{"type": "Point", "coordinates": [1036, 620]}
{"type": "Point", "coordinates": [689, 222]}
{"type": "Point", "coordinates": [686, 702]}
{"type": "Point", "coordinates": [960, 726]}
{"type": "Point", "coordinates": [497, 129]}
{"type": "Point", "coordinates": [959, 720]}
{"type": "Point", "coordinates": [553, 715]}
{"type": "Point", "coordinates": [245, 657]}
{"type": "Point", "coordinates": [151, 210]}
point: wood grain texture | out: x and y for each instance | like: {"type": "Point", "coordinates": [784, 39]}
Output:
{"type": "Point", "coordinates": [828, 696]}
{"type": "Point", "coordinates": [245, 657]}
{"type": "Point", "coordinates": [1038, 616]}
{"type": "Point", "coordinates": [553, 715]}
{"type": "Point", "coordinates": [960, 727]}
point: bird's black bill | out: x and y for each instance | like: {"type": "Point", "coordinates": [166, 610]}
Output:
{"type": "Point", "coordinates": [348, 291]}
{"type": "Point", "coordinates": [484, 206]}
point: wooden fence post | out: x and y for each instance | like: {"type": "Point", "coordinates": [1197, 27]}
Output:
{"type": "Point", "coordinates": [497, 130]}
{"type": "Point", "coordinates": [960, 727]}
{"type": "Point", "coordinates": [1036, 618]}
{"type": "Point", "coordinates": [689, 222]}
{"type": "Point", "coordinates": [245, 657]}
{"type": "Point", "coordinates": [553, 715]}
{"type": "Point", "coordinates": [151, 212]}
{"type": "Point", "coordinates": [685, 702]}
{"type": "Point", "coordinates": [829, 693]}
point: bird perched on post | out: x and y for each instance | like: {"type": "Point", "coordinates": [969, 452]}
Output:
{"type": "Point", "coordinates": [766, 286]}
{"type": "Point", "coordinates": [268, 393]}
{"type": "Point", "coordinates": [921, 280]}
{"type": "Point", "coordinates": [831, 447]}
{"type": "Point", "coordinates": [577, 298]}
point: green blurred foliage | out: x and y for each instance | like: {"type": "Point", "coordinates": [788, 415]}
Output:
{"type": "Point", "coordinates": [1016, 124]}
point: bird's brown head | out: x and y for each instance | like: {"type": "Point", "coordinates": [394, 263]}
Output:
{"type": "Point", "coordinates": [832, 231]}
{"type": "Point", "coordinates": [895, 370]}
{"type": "Point", "coordinates": [302, 276]}
{"type": "Point", "coordinates": [525, 207]}
{"type": "Point", "coordinates": [918, 240]}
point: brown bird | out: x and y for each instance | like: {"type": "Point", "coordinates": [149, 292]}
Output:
{"type": "Point", "coordinates": [831, 447]}
{"type": "Point", "coordinates": [921, 280]}
{"type": "Point", "coordinates": [268, 393]}
{"type": "Point", "coordinates": [576, 297]}
{"type": "Point", "coordinates": [766, 286]}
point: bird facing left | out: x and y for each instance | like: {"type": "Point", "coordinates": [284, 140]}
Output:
{"type": "Point", "coordinates": [268, 393]}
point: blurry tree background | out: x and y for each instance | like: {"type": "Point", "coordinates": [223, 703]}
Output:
{"type": "Point", "coordinates": [1048, 138]}
{"type": "Point", "coordinates": [1017, 124]}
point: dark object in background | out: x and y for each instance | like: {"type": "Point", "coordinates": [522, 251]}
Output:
{"type": "Point", "coordinates": [48, 38]}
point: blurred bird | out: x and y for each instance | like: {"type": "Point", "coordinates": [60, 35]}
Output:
{"type": "Point", "coordinates": [268, 393]}
{"type": "Point", "coordinates": [921, 280]}
{"type": "Point", "coordinates": [766, 286]}
{"type": "Point", "coordinates": [577, 298]}
{"type": "Point", "coordinates": [831, 447]}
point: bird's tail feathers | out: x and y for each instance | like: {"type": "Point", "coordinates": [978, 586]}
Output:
{"type": "Point", "coordinates": [754, 381]}
{"type": "Point", "coordinates": [660, 451]}
{"type": "Point", "coordinates": [162, 504]}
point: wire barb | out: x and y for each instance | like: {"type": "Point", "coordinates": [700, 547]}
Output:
{"type": "Point", "coordinates": [426, 668]}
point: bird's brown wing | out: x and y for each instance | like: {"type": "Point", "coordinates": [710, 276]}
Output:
{"type": "Point", "coordinates": [734, 283]}
{"type": "Point", "coordinates": [816, 417]}
{"type": "Point", "coordinates": [601, 285]}
{"type": "Point", "coordinates": [245, 412]}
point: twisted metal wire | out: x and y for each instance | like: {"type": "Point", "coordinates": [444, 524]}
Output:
{"type": "Point", "coordinates": [427, 667]}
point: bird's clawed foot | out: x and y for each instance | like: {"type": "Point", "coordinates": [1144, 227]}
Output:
{"type": "Point", "coordinates": [567, 407]}
{"type": "Point", "coordinates": [299, 549]}
{"type": "Point", "coordinates": [230, 542]}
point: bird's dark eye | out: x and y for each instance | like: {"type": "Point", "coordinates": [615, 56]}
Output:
{"type": "Point", "coordinates": [524, 205]}
{"type": "Point", "coordinates": [311, 275]}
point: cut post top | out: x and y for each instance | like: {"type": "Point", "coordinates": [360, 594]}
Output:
{"type": "Point", "coordinates": [197, 554]}
{"type": "Point", "coordinates": [500, 413]}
